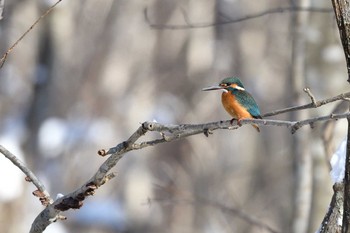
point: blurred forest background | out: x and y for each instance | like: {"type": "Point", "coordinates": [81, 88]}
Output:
{"type": "Point", "coordinates": [92, 71]}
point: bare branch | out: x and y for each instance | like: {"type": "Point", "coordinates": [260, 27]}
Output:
{"type": "Point", "coordinates": [43, 194]}
{"type": "Point", "coordinates": [181, 131]}
{"type": "Point", "coordinates": [2, 5]}
{"type": "Point", "coordinates": [300, 124]}
{"type": "Point", "coordinates": [277, 10]}
{"type": "Point", "coordinates": [330, 222]}
{"type": "Point", "coordinates": [5, 55]}
{"type": "Point", "coordinates": [341, 10]}
{"type": "Point", "coordinates": [346, 210]}
{"type": "Point", "coordinates": [312, 97]}
{"type": "Point", "coordinates": [316, 104]}
{"type": "Point", "coordinates": [168, 133]}
{"type": "Point", "coordinates": [249, 218]}
{"type": "Point", "coordinates": [75, 199]}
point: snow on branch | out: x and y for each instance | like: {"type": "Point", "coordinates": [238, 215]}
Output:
{"type": "Point", "coordinates": [338, 163]}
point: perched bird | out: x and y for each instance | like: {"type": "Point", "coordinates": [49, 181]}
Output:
{"type": "Point", "coordinates": [236, 100]}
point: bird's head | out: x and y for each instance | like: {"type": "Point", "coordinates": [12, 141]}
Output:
{"type": "Point", "coordinates": [228, 84]}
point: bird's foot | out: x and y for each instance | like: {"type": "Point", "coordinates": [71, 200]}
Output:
{"type": "Point", "coordinates": [238, 121]}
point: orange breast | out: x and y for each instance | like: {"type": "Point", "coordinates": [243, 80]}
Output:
{"type": "Point", "coordinates": [232, 106]}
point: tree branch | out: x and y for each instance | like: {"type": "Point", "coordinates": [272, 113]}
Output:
{"type": "Point", "coordinates": [315, 104]}
{"type": "Point", "coordinates": [42, 192]}
{"type": "Point", "coordinates": [330, 222]}
{"type": "Point", "coordinates": [177, 132]}
{"type": "Point", "coordinates": [5, 55]}
{"type": "Point", "coordinates": [346, 212]}
{"type": "Point", "coordinates": [74, 200]}
{"type": "Point", "coordinates": [341, 10]}
{"type": "Point", "coordinates": [277, 10]}
{"type": "Point", "coordinates": [249, 218]}
{"type": "Point", "coordinates": [312, 97]}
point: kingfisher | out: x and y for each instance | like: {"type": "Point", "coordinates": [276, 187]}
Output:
{"type": "Point", "coordinates": [236, 100]}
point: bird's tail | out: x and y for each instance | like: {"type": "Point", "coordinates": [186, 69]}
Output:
{"type": "Point", "coordinates": [256, 127]}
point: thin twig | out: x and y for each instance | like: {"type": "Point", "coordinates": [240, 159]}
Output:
{"type": "Point", "coordinates": [240, 19]}
{"type": "Point", "coordinates": [249, 218]}
{"type": "Point", "coordinates": [45, 196]}
{"type": "Point", "coordinates": [183, 198]}
{"type": "Point", "coordinates": [312, 97]}
{"type": "Point", "coordinates": [4, 57]}
{"type": "Point", "coordinates": [317, 104]}
{"type": "Point", "coordinates": [310, 121]}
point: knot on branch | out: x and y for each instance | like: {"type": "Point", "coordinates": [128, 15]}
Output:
{"type": "Point", "coordinates": [148, 125]}
{"type": "Point", "coordinates": [61, 217]}
{"type": "Point", "coordinates": [77, 201]}
{"type": "Point", "coordinates": [207, 132]}
{"type": "Point", "coordinates": [126, 144]}
{"type": "Point", "coordinates": [312, 97]}
{"type": "Point", "coordinates": [338, 187]}
{"type": "Point", "coordinates": [107, 178]}
{"type": "Point", "coordinates": [69, 203]}
{"type": "Point", "coordinates": [91, 187]}
{"type": "Point", "coordinates": [295, 127]}
{"type": "Point", "coordinates": [45, 200]}
{"type": "Point", "coordinates": [102, 152]}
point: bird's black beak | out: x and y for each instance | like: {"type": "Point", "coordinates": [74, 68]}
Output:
{"type": "Point", "coordinates": [212, 88]}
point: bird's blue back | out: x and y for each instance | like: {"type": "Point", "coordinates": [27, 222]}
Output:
{"type": "Point", "coordinates": [247, 101]}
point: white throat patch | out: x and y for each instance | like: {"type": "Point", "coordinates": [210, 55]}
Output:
{"type": "Point", "coordinates": [239, 88]}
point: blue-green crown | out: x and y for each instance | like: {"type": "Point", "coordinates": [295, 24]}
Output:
{"type": "Point", "coordinates": [232, 80]}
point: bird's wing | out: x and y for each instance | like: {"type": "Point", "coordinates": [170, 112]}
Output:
{"type": "Point", "coordinates": [248, 101]}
